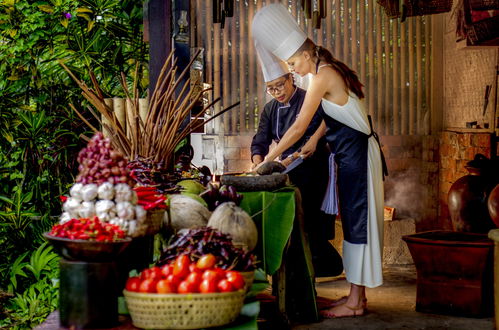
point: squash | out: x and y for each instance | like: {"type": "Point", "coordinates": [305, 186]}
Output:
{"type": "Point", "coordinates": [233, 220]}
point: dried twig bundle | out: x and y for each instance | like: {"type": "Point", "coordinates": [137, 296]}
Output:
{"type": "Point", "coordinates": [154, 139]}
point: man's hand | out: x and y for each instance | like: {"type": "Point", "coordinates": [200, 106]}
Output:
{"type": "Point", "coordinates": [256, 159]}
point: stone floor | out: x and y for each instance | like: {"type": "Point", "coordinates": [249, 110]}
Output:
{"type": "Point", "coordinates": [391, 306]}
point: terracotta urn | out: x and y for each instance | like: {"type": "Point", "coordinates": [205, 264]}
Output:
{"type": "Point", "coordinates": [493, 205]}
{"type": "Point", "coordinates": [467, 198]}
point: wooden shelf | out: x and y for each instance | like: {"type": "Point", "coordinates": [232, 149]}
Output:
{"type": "Point", "coordinates": [466, 44]}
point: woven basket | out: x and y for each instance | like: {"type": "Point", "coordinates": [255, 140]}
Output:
{"type": "Point", "coordinates": [248, 279]}
{"type": "Point", "coordinates": [183, 311]}
{"type": "Point", "coordinates": [151, 224]}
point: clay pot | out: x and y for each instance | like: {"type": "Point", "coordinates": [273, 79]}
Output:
{"type": "Point", "coordinates": [493, 205]}
{"type": "Point", "coordinates": [467, 199]}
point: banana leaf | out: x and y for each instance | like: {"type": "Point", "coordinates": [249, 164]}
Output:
{"type": "Point", "coordinates": [274, 214]}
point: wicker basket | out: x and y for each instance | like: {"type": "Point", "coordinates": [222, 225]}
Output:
{"type": "Point", "coordinates": [183, 311]}
{"type": "Point", "coordinates": [151, 225]}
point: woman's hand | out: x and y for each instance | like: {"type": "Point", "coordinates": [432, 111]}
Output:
{"type": "Point", "coordinates": [309, 148]}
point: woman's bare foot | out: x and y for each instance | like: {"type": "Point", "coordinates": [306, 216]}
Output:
{"type": "Point", "coordinates": [343, 310]}
{"type": "Point", "coordinates": [325, 303]}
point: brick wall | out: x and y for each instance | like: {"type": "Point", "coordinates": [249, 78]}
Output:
{"type": "Point", "coordinates": [456, 149]}
{"type": "Point", "coordinates": [413, 170]}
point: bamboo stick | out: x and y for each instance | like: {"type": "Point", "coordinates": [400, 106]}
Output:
{"type": "Point", "coordinates": [216, 69]}
{"type": "Point", "coordinates": [337, 31]}
{"type": "Point", "coordinates": [104, 120]}
{"type": "Point", "coordinates": [419, 70]}
{"type": "Point", "coordinates": [362, 38]}
{"type": "Point", "coordinates": [329, 29]}
{"type": "Point", "coordinates": [346, 36]}
{"type": "Point", "coordinates": [371, 58]}
{"type": "Point", "coordinates": [428, 73]}
{"type": "Point", "coordinates": [260, 94]}
{"type": "Point", "coordinates": [233, 77]}
{"type": "Point", "coordinates": [396, 84]}
{"type": "Point", "coordinates": [226, 74]}
{"type": "Point", "coordinates": [242, 68]}
{"type": "Point", "coordinates": [403, 80]}
{"type": "Point", "coordinates": [388, 73]}
{"type": "Point", "coordinates": [354, 40]}
{"type": "Point", "coordinates": [412, 109]}
{"type": "Point", "coordinates": [379, 72]}
{"type": "Point", "coordinates": [252, 69]}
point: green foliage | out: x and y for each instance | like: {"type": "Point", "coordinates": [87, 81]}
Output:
{"type": "Point", "coordinates": [36, 284]}
{"type": "Point", "coordinates": [39, 133]}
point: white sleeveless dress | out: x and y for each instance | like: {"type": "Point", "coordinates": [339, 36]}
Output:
{"type": "Point", "coordinates": [363, 262]}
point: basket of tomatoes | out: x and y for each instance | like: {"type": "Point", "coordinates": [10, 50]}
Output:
{"type": "Point", "coordinates": [185, 294]}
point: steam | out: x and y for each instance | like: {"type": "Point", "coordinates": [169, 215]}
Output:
{"type": "Point", "coordinates": [405, 194]}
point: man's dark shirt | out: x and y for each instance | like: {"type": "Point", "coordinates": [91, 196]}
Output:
{"type": "Point", "coordinates": [275, 120]}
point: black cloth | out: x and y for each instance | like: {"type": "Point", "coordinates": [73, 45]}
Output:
{"type": "Point", "coordinates": [350, 148]}
{"type": "Point", "coordinates": [275, 120]}
{"type": "Point", "coordinates": [311, 177]}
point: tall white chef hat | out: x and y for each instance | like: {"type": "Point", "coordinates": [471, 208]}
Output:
{"type": "Point", "coordinates": [276, 29]}
{"type": "Point", "coordinates": [272, 67]}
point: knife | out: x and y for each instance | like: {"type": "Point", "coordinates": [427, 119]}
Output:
{"type": "Point", "coordinates": [294, 164]}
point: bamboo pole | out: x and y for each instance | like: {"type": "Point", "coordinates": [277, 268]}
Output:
{"type": "Point", "coordinates": [119, 110]}
{"type": "Point", "coordinates": [428, 73]}
{"type": "Point", "coordinates": [346, 20]}
{"type": "Point", "coordinates": [371, 58]}
{"type": "Point", "coordinates": [396, 78]}
{"type": "Point", "coordinates": [362, 38]}
{"type": "Point", "coordinates": [388, 74]}
{"type": "Point", "coordinates": [379, 71]}
{"type": "Point", "coordinates": [329, 30]}
{"type": "Point", "coordinates": [337, 30]}
{"type": "Point", "coordinates": [403, 80]}
{"type": "Point", "coordinates": [252, 69]}
{"type": "Point", "coordinates": [234, 73]}
{"type": "Point", "coordinates": [354, 39]}
{"type": "Point", "coordinates": [226, 86]}
{"type": "Point", "coordinates": [412, 109]}
{"type": "Point", "coordinates": [105, 121]}
{"type": "Point", "coordinates": [207, 36]}
{"type": "Point", "coordinates": [419, 70]}
{"type": "Point", "coordinates": [260, 85]}
{"type": "Point", "coordinates": [243, 74]}
{"type": "Point", "coordinates": [216, 73]}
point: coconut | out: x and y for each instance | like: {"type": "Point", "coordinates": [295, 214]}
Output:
{"type": "Point", "coordinates": [233, 220]}
{"type": "Point", "coordinates": [186, 212]}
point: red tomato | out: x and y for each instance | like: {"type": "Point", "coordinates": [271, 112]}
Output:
{"type": "Point", "coordinates": [194, 278]}
{"type": "Point", "coordinates": [181, 266]}
{"type": "Point", "coordinates": [206, 262]}
{"type": "Point", "coordinates": [225, 286]}
{"type": "Point", "coordinates": [186, 287]}
{"type": "Point", "coordinates": [213, 274]}
{"type": "Point", "coordinates": [235, 278]}
{"type": "Point", "coordinates": [153, 273]}
{"type": "Point", "coordinates": [164, 286]}
{"type": "Point", "coordinates": [133, 283]}
{"type": "Point", "coordinates": [167, 270]}
{"type": "Point", "coordinates": [174, 280]}
{"type": "Point", "coordinates": [208, 286]}
{"type": "Point", "coordinates": [148, 285]}
{"type": "Point", "coordinates": [194, 269]}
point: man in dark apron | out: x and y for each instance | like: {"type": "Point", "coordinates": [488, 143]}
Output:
{"type": "Point", "coordinates": [311, 177]}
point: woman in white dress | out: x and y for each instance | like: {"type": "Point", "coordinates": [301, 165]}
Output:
{"type": "Point", "coordinates": [355, 149]}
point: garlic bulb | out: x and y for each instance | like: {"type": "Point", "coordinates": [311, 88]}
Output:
{"type": "Point", "coordinates": [87, 210]}
{"type": "Point", "coordinates": [65, 217]}
{"type": "Point", "coordinates": [106, 191]}
{"type": "Point", "coordinates": [71, 205]}
{"type": "Point", "coordinates": [123, 193]}
{"type": "Point", "coordinates": [125, 211]}
{"type": "Point", "coordinates": [75, 191]}
{"type": "Point", "coordinates": [89, 192]}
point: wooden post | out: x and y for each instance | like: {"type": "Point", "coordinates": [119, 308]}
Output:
{"type": "Point", "coordinates": [427, 43]}
{"type": "Point", "coordinates": [419, 70]}
{"type": "Point", "coordinates": [388, 72]}
{"type": "Point", "coordinates": [353, 42]}
{"type": "Point", "coordinates": [234, 72]}
{"type": "Point", "coordinates": [346, 36]}
{"type": "Point", "coordinates": [226, 85]}
{"type": "Point", "coordinates": [412, 109]}
{"type": "Point", "coordinates": [337, 30]}
{"type": "Point", "coordinates": [159, 20]}
{"type": "Point", "coordinates": [252, 69]}
{"type": "Point", "coordinates": [372, 59]}
{"type": "Point", "coordinates": [362, 39]}
{"type": "Point", "coordinates": [403, 79]}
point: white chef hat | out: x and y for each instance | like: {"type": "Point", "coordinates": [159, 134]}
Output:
{"type": "Point", "coordinates": [272, 67]}
{"type": "Point", "coordinates": [276, 29]}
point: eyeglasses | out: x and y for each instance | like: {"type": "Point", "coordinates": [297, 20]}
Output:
{"type": "Point", "coordinates": [277, 88]}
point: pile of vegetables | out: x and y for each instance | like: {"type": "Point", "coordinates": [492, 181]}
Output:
{"type": "Point", "coordinates": [215, 196]}
{"type": "Point", "coordinates": [149, 173]}
{"type": "Point", "coordinates": [88, 229]}
{"type": "Point", "coordinates": [201, 241]}
{"type": "Point", "coordinates": [104, 189]}
{"type": "Point", "coordinates": [150, 198]}
{"type": "Point", "coordinates": [183, 275]}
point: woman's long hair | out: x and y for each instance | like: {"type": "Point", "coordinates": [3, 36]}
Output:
{"type": "Point", "coordinates": [349, 76]}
